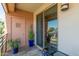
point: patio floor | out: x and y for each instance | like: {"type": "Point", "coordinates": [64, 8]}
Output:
{"type": "Point", "coordinates": [26, 52]}
{"type": "Point", "coordinates": [31, 52]}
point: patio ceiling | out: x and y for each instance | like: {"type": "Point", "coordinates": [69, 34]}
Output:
{"type": "Point", "coordinates": [8, 7]}
{"type": "Point", "coordinates": [31, 7]}
{"type": "Point", "coordinates": [12, 7]}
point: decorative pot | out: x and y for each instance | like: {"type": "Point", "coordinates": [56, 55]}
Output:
{"type": "Point", "coordinates": [15, 50]}
{"type": "Point", "coordinates": [31, 43]}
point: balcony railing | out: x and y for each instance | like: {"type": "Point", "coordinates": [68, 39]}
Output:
{"type": "Point", "coordinates": [3, 44]}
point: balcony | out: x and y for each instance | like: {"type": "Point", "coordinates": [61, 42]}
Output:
{"type": "Point", "coordinates": [21, 19]}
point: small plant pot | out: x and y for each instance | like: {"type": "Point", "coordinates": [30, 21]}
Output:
{"type": "Point", "coordinates": [31, 43]}
{"type": "Point", "coordinates": [15, 50]}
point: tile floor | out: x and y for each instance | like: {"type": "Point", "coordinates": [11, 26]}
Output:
{"type": "Point", "coordinates": [31, 52]}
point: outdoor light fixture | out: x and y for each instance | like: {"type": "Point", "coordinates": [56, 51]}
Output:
{"type": "Point", "coordinates": [64, 6]}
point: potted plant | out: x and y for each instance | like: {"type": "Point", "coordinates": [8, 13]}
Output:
{"type": "Point", "coordinates": [31, 38]}
{"type": "Point", "coordinates": [14, 44]}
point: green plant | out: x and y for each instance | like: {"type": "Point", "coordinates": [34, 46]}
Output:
{"type": "Point", "coordinates": [31, 35]}
{"type": "Point", "coordinates": [16, 44]}
{"type": "Point", "coordinates": [1, 27]}
{"type": "Point", "coordinates": [13, 43]}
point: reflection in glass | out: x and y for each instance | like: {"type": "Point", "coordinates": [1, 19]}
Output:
{"type": "Point", "coordinates": [52, 31]}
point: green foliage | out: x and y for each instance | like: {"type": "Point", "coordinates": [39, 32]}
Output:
{"type": "Point", "coordinates": [1, 27]}
{"type": "Point", "coordinates": [13, 43]}
{"type": "Point", "coordinates": [51, 29]}
{"type": "Point", "coordinates": [31, 34]}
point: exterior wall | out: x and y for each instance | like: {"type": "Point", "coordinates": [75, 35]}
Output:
{"type": "Point", "coordinates": [18, 25]}
{"type": "Point", "coordinates": [68, 41]}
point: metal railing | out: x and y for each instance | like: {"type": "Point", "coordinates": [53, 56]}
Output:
{"type": "Point", "coordinates": [3, 44]}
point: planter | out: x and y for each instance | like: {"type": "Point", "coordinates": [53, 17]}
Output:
{"type": "Point", "coordinates": [31, 43]}
{"type": "Point", "coordinates": [15, 50]}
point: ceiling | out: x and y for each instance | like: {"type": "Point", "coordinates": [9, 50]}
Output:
{"type": "Point", "coordinates": [31, 7]}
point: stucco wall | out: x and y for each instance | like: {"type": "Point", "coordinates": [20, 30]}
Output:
{"type": "Point", "coordinates": [68, 41]}
{"type": "Point", "coordinates": [18, 25]}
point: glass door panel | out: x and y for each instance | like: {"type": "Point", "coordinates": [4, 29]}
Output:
{"type": "Point", "coordinates": [39, 40]}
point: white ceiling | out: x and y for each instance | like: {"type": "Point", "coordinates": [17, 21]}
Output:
{"type": "Point", "coordinates": [31, 7]}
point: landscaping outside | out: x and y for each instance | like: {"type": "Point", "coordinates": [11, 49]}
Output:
{"type": "Point", "coordinates": [1, 27]}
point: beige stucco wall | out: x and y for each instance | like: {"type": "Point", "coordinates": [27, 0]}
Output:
{"type": "Point", "coordinates": [25, 20]}
{"type": "Point", "coordinates": [68, 25]}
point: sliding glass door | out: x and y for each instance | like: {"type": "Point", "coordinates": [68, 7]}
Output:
{"type": "Point", "coordinates": [46, 22]}
{"type": "Point", "coordinates": [51, 29]}
{"type": "Point", "coordinates": [39, 32]}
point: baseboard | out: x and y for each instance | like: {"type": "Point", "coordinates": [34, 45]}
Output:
{"type": "Point", "coordinates": [63, 53]}
{"type": "Point", "coordinates": [39, 47]}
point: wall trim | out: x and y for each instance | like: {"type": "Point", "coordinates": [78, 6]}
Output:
{"type": "Point", "coordinates": [39, 47]}
{"type": "Point", "coordinates": [63, 53]}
